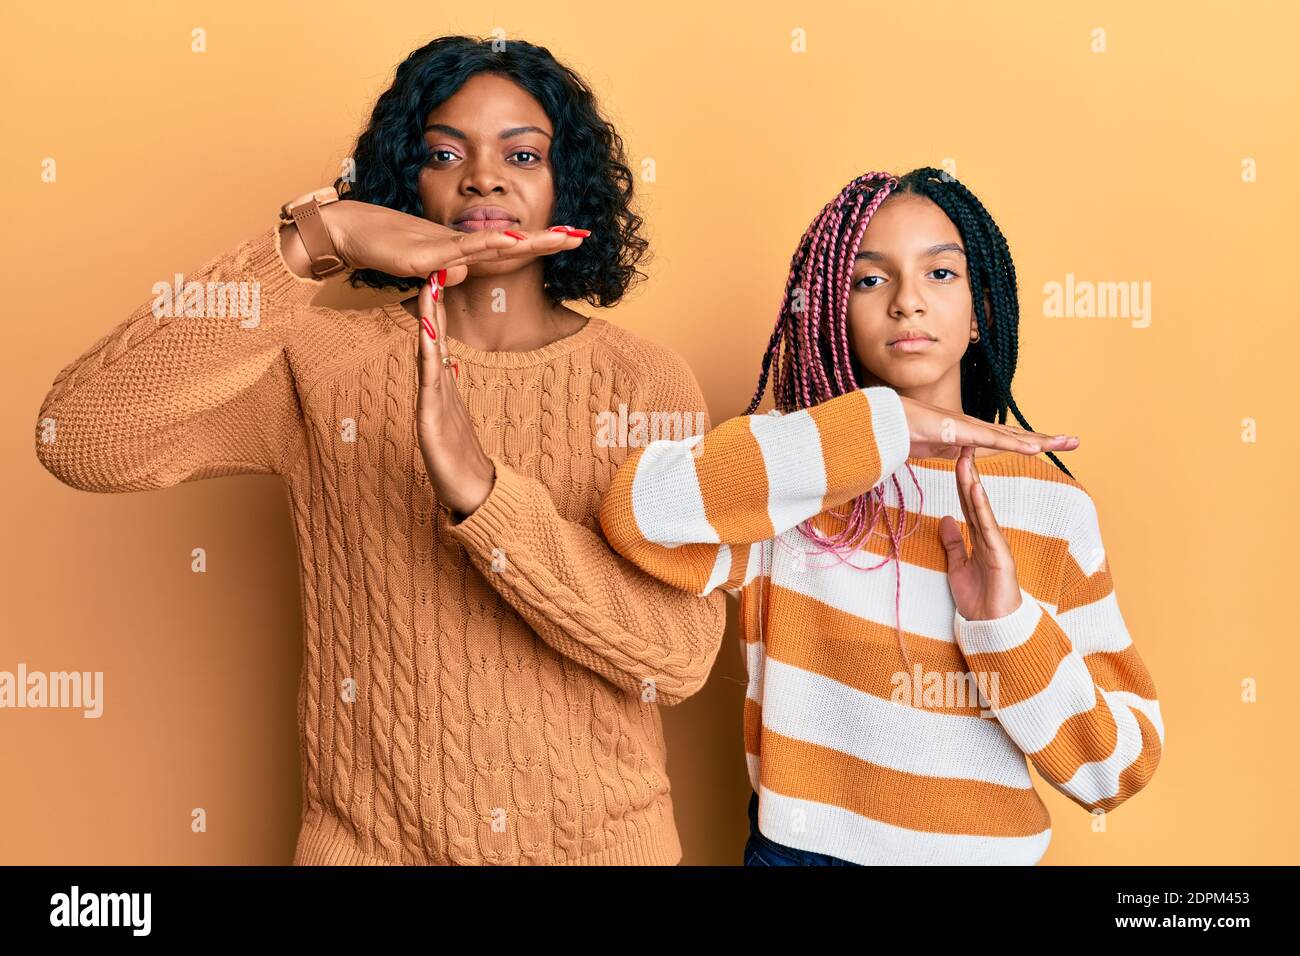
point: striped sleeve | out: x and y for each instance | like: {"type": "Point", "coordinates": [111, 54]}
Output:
{"type": "Point", "coordinates": [1071, 690]}
{"type": "Point", "coordinates": [688, 511]}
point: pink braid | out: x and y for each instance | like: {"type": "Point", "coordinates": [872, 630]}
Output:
{"type": "Point", "coordinates": [823, 268]}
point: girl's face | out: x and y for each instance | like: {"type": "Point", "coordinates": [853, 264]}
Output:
{"type": "Point", "coordinates": [489, 163]}
{"type": "Point", "coordinates": [910, 278]}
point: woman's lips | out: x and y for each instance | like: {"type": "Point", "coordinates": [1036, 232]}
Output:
{"type": "Point", "coordinates": [479, 225]}
{"type": "Point", "coordinates": [912, 345]}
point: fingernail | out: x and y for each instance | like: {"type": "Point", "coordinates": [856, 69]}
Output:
{"type": "Point", "coordinates": [579, 232]}
{"type": "Point", "coordinates": [559, 228]}
{"type": "Point", "coordinates": [437, 291]}
{"type": "Point", "coordinates": [442, 277]}
{"type": "Point", "coordinates": [455, 368]}
{"type": "Point", "coordinates": [428, 327]}
{"type": "Point", "coordinates": [514, 235]}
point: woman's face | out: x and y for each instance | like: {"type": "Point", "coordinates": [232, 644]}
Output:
{"type": "Point", "coordinates": [489, 163]}
{"type": "Point", "coordinates": [910, 277]}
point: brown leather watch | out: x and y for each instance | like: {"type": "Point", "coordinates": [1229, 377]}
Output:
{"type": "Point", "coordinates": [304, 211]}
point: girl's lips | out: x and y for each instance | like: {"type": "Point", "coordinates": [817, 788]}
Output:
{"type": "Point", "coordinates": [479, 225]}
{"type": "Point", "coordinates": [912, 345]}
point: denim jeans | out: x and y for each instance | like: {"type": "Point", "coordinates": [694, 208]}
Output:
{"type": "Point", "coordinates": [761, 851]}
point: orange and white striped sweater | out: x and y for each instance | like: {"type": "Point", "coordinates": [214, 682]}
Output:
{"type": "Point", "coordinates": [851, 753]}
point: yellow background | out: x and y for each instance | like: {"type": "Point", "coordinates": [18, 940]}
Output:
{"type": "Point", "coordinates": [1115, 166]}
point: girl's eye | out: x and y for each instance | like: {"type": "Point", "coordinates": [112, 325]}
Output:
{"type": "Point", "coordinates": [949, 271]}
{"type": "Point", "coordinates": [865, 278]}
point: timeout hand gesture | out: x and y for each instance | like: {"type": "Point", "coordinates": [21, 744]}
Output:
{"type": "Point", "coordinates": [460, 472]}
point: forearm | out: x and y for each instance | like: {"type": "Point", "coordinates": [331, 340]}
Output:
{"type": "Point", "coordinates": [587, 602]}
{"type": "Point", "coordinates": [1090, 723]}
{"type": "Point", "coordinates": [193, 383]}
{"type": "Point", "coordinates": [687, 511]}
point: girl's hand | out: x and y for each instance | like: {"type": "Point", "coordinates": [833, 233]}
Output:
{"type": "Point", "coordinates": [984, 584]}
{"type": "Point", "coordinates": [368, 236]}
{"type": "Point", "coordinates": [460, 472]}
{"type": "Point", "coordinates": [936, 432]}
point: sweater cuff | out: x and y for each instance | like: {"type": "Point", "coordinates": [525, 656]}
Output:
{"type": "Point", "coordinates": [278, 282]}
{"type": "Point", "coordinates": [999, 635]}
{"type": "Point", "coordinates": [889, 427]}
{"type": "Point", "coordinates": [493, 523]}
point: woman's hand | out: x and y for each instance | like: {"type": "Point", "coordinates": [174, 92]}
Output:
{"type": "Point", "coordinates": [368, 236]}
{"type": "Point", "coordinates": [460, 472]}
{"type": "Point", "coordinates": [984, 584]}
{"type": "Point", "coordinates": [937, 432]}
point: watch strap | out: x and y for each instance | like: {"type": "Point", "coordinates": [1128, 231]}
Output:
{"type": "Point", "coordinates": [324, 258]}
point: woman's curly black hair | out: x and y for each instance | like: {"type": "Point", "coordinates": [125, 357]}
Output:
{"type": "Point", "coordinates": [593, 184]}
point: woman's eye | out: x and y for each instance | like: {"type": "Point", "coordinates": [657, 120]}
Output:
{"type": "Point", "coordinates": [443, 155]}
{"type": "Point", "coordinates": [949, 271]}
{"type": "Point", "coordinates": [868, 278]}
{"type": "Point", "coordinates": [526, 152]}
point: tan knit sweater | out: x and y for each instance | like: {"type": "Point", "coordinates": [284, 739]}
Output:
{"type": "Point", "coordinates": [477, 693]}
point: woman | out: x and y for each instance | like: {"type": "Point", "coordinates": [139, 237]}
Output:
{"type": "Point", "coordinates": [897, 344]}
{"type": "Point", "coordinates": [481, 671]}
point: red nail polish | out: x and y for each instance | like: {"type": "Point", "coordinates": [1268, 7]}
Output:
{"type": "Point", "coordinates": [437, 292]}
{"type": "Point", "coordinates": [428, 327]}
{"type": "Point", "coordinates": [442, 277]}
{"type": "Point", "coordinates": [514, 235]}
{"type": "Point", "coordinates": [559, 228]}
{"type": "Point", "coordinates": [579, 232]}
{"type": "Point", "coordinates": [456, 369]}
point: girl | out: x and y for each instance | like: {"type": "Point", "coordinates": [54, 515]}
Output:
{"type": "Point", "coordinates": [889, 716]}
{"type": "Point", "coordinates": [480, 671]}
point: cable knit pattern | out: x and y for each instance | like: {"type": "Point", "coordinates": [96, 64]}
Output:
{"type": "Point", "coordinates": [477, 693]}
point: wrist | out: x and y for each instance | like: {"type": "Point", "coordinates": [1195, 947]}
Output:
{"type": "Point", "coordinates": [996, 611]}
{"type": "Point", "coordinates": [315, 231]}
{"type": "Point", "coordinates": [465, 496]}
{"type": "Point", "coordinates": [475, 500]}
{"type": "Point", "coordinates": [294, 253]}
